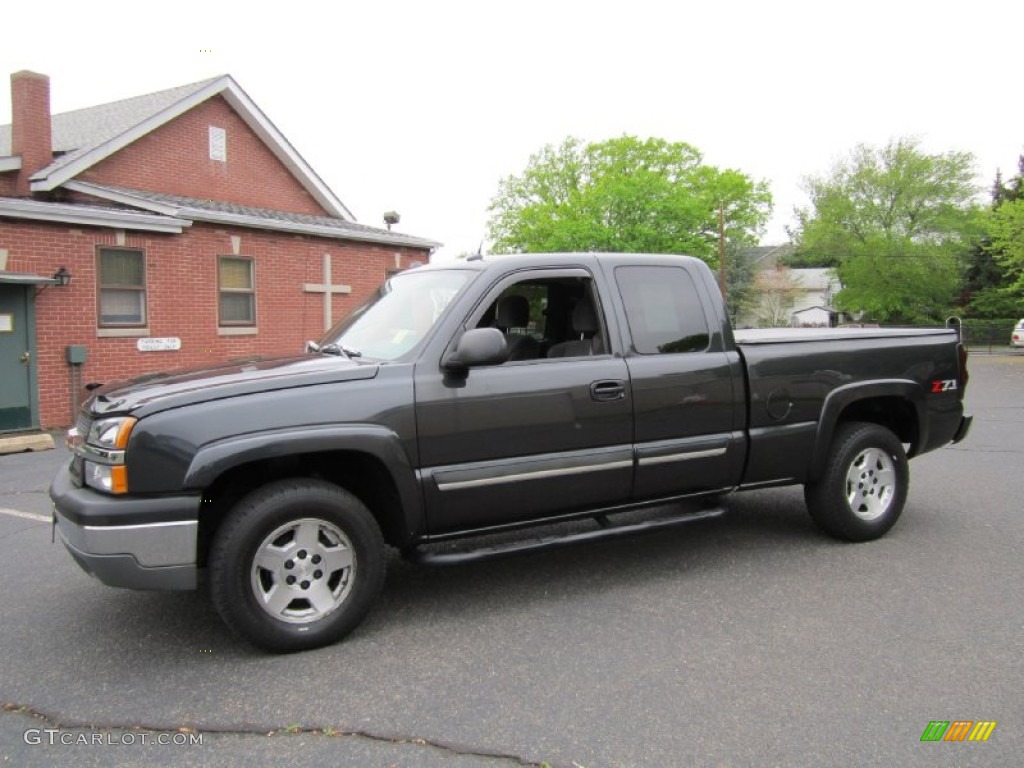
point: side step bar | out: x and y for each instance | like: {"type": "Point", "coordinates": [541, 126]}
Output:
{"type": "Point", "coordinates": [552, 542]}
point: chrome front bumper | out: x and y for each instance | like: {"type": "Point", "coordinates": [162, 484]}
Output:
{"type": "Point", "coordinates": [144, 543]}
{"type": "Point", "coordinates": [154, 556]}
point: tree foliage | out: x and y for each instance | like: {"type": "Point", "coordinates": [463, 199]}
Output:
{"type": "Point", "coordinates": [740, 275]}
{"type": "Point", "coordinates": [627, 195]}
{"type": "Point", "coordinates": [994, 281]}
{"type": "Point", "coordinates": [896, 223]}
{"type": "Point", "coordinates": [1006, 228]}
{"type": "Point", "coordinates": [1007, 225]}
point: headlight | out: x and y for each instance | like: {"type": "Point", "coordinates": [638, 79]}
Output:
{"type": "Point", "coordinates": [111, 433]}
{"type": "Point", "coordinates": [104, 468]}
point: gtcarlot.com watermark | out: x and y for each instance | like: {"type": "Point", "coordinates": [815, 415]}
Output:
{"type": "Point", "coordinates": [56, 737]}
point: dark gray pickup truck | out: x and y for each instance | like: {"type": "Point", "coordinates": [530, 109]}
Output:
{"type": "Point", "coordinates": [480, 397]}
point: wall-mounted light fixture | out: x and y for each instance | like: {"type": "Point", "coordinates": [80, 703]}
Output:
{"type": "Point", "coordinates": [61, 278]}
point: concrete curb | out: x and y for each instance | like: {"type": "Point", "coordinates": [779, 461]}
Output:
{"type": "Point", "coordinates": [35, 441]}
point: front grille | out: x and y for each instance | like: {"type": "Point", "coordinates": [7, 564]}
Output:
{"type": "Point", "coordinates": [77, 467]}
{"type": "Point", "coordinates": [83, 424]}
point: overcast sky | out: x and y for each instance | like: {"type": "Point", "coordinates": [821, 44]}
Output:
{"type": "Point", "coordinates": [422, 107]}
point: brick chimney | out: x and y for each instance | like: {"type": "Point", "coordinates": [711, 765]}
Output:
{"type": "Point", "coordinates": [31, 135]}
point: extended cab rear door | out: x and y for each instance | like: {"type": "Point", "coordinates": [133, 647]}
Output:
{"type": "Point", "coordinates": [687, 385]}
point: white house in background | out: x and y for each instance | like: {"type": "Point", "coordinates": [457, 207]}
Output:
{"type": "Point", "coordinates": [813, 304]}
{"type": "Point", "coordinates": [804, 296]}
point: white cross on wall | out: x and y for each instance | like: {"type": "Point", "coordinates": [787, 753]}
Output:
{"type": "Point", "coordinates": [327, 290]}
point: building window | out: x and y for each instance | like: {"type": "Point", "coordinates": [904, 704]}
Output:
{"type": "Point", "coordinates": [122, 287]}
{"type": "Point", "coordinates": [237, 291]}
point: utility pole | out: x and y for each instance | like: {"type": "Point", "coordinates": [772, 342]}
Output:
{"type": "Point", "coordinates": [721, 248]}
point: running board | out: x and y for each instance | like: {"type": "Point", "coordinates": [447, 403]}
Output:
{"type": "Point", "coordinates": [552, 542]}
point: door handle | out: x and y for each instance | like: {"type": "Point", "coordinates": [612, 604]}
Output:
{"type": "Point", "coordinates": [611, 389]}
{"type": "Point", "coordinates": [26, 356]}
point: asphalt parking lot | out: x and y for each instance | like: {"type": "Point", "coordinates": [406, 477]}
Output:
{"type": "Point", "coordinates": [746, 640]}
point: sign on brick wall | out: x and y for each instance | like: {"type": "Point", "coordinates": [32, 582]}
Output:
{"type": "Point", "coordinates": [153, 344]}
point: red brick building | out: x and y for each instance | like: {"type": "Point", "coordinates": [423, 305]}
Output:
{"type": "Point", "coordinates": [166, 230]}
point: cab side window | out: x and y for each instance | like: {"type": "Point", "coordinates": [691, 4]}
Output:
{"type": "Point", "coordinates": [663, 310]}
{"type": "Point", "coordinates": [519, 314]}
{"type": "Point", "coordinates": [548, 318]}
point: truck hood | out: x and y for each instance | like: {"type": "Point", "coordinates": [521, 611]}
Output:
{"type": "Point", "coordinates": [155, 392]}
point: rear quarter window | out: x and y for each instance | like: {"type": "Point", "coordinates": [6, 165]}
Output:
{"type": "Point", "coordinates": [663, 310]}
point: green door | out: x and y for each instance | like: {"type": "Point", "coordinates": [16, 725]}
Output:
{"type": "Point", "coordinates": [15, 359]}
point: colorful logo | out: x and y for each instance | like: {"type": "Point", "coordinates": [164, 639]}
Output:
{"type": "Point", "coordinates": [958, 730]}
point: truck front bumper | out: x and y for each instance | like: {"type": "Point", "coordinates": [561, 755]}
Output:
{"type": "Point", "coordinates": [147, 543]}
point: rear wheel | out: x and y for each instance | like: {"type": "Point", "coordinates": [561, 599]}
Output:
{"type": "Point", "coordinates": [861, 493]}
{"type": "Point", "coordinates": [296, 565]}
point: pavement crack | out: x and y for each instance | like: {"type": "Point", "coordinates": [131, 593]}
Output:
{"type": "Point", "coordinates": [985, 449]}
{"type": "Point", "coordinates": [57, 721]}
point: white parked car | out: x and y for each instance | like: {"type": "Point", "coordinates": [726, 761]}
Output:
{"type": "Point", "coordinates": [1017, 336]}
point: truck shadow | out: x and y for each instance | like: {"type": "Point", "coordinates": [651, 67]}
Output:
{"type": "Point", "coordinates": [767, 528]}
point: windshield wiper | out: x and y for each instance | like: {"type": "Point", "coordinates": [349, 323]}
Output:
{"type": "Point", "coordinates": [332, 349]}
{"type": "Point", "coordinates": [339, 349]}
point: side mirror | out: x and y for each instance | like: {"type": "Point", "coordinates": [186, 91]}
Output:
{"type": "Point", "coordinates": [478, 346]}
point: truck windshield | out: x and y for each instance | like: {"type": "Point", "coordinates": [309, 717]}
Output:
{"type": "Point", "coordinates": [398, 316]}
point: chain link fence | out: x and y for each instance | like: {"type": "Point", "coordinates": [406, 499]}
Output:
{"type": "Point", "coordinates": [989, 335]}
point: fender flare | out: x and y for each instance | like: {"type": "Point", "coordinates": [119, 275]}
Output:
{"type": "Point", "coordinates": [214, 459]}
{"type": "Point", "coordinates": [840, 398]}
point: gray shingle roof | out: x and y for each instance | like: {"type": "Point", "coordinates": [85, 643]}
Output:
{"type": "Point", "coordinates": [103, 130]}
{"type": "Point", "coordinates": [85, 136]}
{"type": "Point", "coordinates": [76, 131]}
{"type": "Point", "coordinates": [762, 257]}
{"type": "Point", "coordinates": [194, 208]}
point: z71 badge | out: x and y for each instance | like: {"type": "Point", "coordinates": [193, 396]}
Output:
{"type": "Point", "coordinates": [944, 385]}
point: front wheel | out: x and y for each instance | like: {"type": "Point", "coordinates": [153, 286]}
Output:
{"type": "Point", "coordinates": [861, 492]}
{"type": "Point", "coordinates": [296, 565]}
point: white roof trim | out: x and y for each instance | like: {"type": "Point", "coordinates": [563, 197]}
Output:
{"type": "Point", "coordinates": [123, 198]}
{"type": "Point", "coordinates": [284, 151]}
{"type": "Point", "coordinates": [45, 183]}
{"type": "Point", "coordinates": [822, 307]}
{"type": "Point", "coordinates": [12, 163]}
{"type": "Point", "coordinates": [26, 278]}
{"type": "Point", "coordinates": [245, 220]}
{"type": "Point", "coordinates": [89, 217]}
{"type": "Point", "coordinates": [257, 222]}
{"type": "Point", "coordinates": [247, 110]}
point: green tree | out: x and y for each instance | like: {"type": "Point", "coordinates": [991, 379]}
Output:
{"type": "Point", "coordinates": [625, 194]}
{"type": "Point", "coordinates": [896, 223]}
{"type": "Point", "coordinates": [988, 283]}
{"type": "Point", "coordinates": [741, 296]}
{"type": "Point", "coordinates": [1007, 232]}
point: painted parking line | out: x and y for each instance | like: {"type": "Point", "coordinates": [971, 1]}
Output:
{"type": "Point", "coordinates": [25, 515]}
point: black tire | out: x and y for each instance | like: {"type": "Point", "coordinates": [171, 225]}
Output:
{"type": "Point", "coordinates": [863, 488]}
{"type": "Point", "coordinates": [290, 527]}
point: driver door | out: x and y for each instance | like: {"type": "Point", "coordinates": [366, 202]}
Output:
{"type": "Point", "coordinates": [533, 437]}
